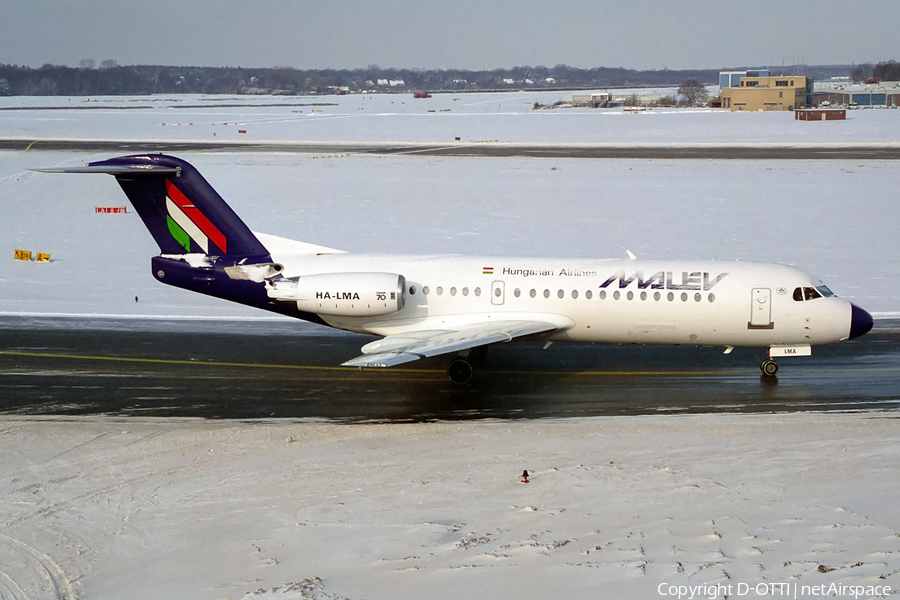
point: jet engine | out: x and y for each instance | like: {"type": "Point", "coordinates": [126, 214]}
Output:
{"type": "Point", "coordinates": [343, 294]}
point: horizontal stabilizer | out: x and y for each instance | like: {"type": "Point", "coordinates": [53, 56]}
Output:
{"type": "Point", "coordinates": [116, 170]}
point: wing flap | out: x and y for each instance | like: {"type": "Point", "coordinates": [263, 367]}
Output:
{"type": "Point", "coordinates": [401, 348]}
{"type": "Point", "coordinates": [381, 360]}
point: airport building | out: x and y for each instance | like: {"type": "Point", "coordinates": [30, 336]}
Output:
{"type": "Point", "coordinates": [884, 93]}
{"type": "Point", "coordinates": [592, 99]}
{"type": "Point", "coordinates": [758, 90]}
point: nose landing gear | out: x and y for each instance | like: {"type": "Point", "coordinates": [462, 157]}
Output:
{"type": "Point", "coordinates": [769, 367]}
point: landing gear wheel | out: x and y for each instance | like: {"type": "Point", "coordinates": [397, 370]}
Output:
{"type": "Point", "coordinates": [461, 371]}
{"type": "Point", "coordinates": [769, 367]}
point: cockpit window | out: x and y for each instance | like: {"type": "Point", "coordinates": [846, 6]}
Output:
{"type": "Point", "coordinates": [823, 289]}
{"type": "Point", "coordinates": [811, 293]}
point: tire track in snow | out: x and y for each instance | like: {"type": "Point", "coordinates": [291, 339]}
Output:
{"type": "Point", "coordinates": [116, 487]}
{"type": "Point", "coordinates": [39, 576]}
{"type": "Point", "coordinates": [76, 447]}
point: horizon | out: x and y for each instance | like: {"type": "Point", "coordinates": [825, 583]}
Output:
{"type": "Point", "coordinates": [422, 70]}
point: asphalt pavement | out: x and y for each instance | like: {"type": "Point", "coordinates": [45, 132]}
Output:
{"type": "Point", "coordinates": [271, 369]}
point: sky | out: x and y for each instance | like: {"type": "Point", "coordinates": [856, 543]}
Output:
{"type": "Point", "coordinates": [436, 34]}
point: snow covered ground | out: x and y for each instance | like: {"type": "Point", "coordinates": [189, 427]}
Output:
{"type": "Point", "coordinates": [836, 219]}
{"type": "Point", "coordinates": [621, 507]}
{"type": "Point", "coordinates": [501, 117]}
{"type": "Point", "coordinates": [112, 508]}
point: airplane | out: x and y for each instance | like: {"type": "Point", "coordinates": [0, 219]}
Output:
{"type": "Point", "coordinates": [423, 306]}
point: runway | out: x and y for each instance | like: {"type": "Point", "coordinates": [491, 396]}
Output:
{"type": "Point", "coordinates": [686, 151]}
{"type": "Point", "coordinates": [273, 369]}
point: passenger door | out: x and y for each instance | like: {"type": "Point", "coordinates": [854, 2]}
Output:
{"type": "Point", "coordinates": [761, 309]}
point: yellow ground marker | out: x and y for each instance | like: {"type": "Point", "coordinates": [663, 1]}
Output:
{"type": "Point", "coordinates": [402, 370]}
{"type": "Point", "coordinates": [341, 368]}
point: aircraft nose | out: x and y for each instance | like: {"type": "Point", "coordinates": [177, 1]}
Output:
{"type": "Point", "coordinates": [860, 321]}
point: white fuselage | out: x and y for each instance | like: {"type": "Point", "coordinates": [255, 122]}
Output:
{"type": "Point", "coordinates": [612, 300]}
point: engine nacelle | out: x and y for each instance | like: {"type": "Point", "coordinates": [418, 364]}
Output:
{"type": "Point", "coordinates": [350, 294]}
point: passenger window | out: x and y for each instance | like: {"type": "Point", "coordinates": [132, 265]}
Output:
{"type": "Point", "coordinates": [588, 294]}
{"type": "Point", "coordinates": [560, 294]}
{"type": "Point", "coordinates": [616, 295]}
{"type": "Point", "coordinates": [603, 294]}
{"type": "Point", "coordinates": [426, 290]}
{"type": "Point", "coordinates": [439, 290]}
{"type": "Point", "coordinates": [630, 295]}
{"type": "Point", "coordinates": [546, 293]}
{"type": "Point", "coordinates": [412, 290]}
{"type": "Point", "coordinates": [532, 293]}
{"type": "Point", "coordinates": [465, 291]}
{"type": "Point", "coordinates": [478, 291]}
{"type": "Point", "coordinates": [517, 293]}
{"type": "Point", "coordinates": [643, 295]}
{"type": "Point", "coordinates": [453, 291]}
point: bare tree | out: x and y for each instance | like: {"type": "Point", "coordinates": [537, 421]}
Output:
{"type": "Point", "coordinates": [109, 63]}
{"type": "Point", "coordinates": [887, 71]}
{"type": "Point", "coordinates": [87, 63]}
{"type": "Point", "coordinates": [861, 72]}
{"type": "Point", "coordinates": [665, 101]}
{"type": "Point", "coordinates": [692, 91]}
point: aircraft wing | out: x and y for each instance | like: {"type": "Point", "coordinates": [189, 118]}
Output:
{"type": "Point", "coordinates": [401, 348]}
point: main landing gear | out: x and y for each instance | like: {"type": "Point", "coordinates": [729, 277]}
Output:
{"type": "Point", "coordinates": [461, 371]}
{"type": "Point", "coordinates": [462, 368]}
{"type": "Point", "coordinates": [769, 367]}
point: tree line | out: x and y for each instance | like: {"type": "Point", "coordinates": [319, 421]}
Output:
{"type": "Point", "coordinates": [110, 78]}
{"type": "Point", "coordinates": [883, 71]}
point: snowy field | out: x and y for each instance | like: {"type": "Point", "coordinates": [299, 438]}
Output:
{"type": "Point", "coordinates": [162, 508]}
{"type": "Point", "coordinates": [474, 118]}
{"type": "Point", "coordinates": [620, 508]}
{"type": "Point", "coordinates": [835, 219]}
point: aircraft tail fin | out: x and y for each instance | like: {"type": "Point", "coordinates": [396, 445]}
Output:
{"type": "Point", "coordinates": [182, 211]}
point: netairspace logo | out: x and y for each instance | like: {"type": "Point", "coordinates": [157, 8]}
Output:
{"type": "Point", "coordinates": [782, 590]}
